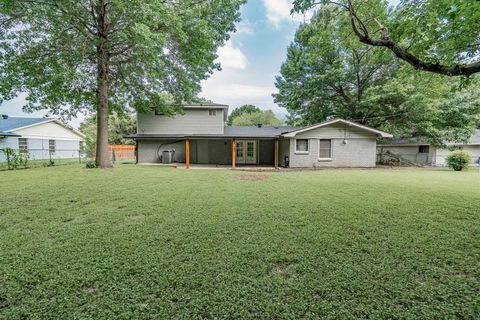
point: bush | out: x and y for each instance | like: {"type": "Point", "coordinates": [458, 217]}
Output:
{"type": "Point", "coordinates": [458, 160]}
{"type": "Point", "coordinates": [91, 164]}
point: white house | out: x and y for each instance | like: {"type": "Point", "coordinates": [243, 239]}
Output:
{"type": "Point", "coordinates": [199, 136]}
{"type": "Point", "coordinates": [420, 151]}
{"type": "Point", "coordinates": [42, 138]}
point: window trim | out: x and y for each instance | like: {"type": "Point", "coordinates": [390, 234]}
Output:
{"type": "Point", "coordinates": [420, 147]}
{"type": "Point", "coordinates": [212, 112]}
{"type": "Point", "coordinates": [25, 147]}
{"type": "Point", "coordinates": [302, 151]}
{"type": "Point", "coordinates": [50, 149]}
{"type": "Point", "coordinates": [331, 151]}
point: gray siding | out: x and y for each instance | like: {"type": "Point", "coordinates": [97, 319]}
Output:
{"type": "Point", "coordinates": [356, 153]}
{"type": "Point", "coordinates": [411, 153]}
{"type": "Point", "coordinates": [201, 151]}
{"type": "Point", "coordinates": [194, 121]}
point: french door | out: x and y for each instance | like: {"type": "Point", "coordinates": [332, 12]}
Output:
{"type": "Point", "coordinates": [246, 152]}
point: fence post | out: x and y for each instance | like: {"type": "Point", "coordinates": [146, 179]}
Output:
{"type": "Point", "coordinates": [113, 155]}
{"type": "Point", "coordinates": [8, 160]}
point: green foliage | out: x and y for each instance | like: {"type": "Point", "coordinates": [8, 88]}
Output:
{"type": "Point", "coordinates": [328, 73]}
{"type": "Point", "coordinates": [266, 118]}
{"type": "Point", "coordinates": [15, 160]}
{"type": "Point", "coordinates": [327, 244]}
{"type": "Point", "coordinates": [119, 125]}
{"type": "Point", "coordinates": [90, 164]}
{"type": "Point", "coordinates": [458, 160]}
{"type": "Point", "coordinates": [437, 32]}
{"type": "Point", "coordinates": [49, 51]}
{"type": "Point", "coordinates": [246, 108]}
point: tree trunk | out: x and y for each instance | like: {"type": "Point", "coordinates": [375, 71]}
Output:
{"type": "Point", "coordinates": [102, 157]}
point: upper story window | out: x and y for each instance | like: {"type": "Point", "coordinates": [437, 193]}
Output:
{"type": "Point", "coordinates": [22, 144]}
{"type": "Point", "coordinates": [301, 146]}
{"type": "Point", "coordinates": [51, 145]}
{"type": "Point", "coordinates": [423, 149]}
{"type": "Point", "coordinates": [212, 112]}
{"type": "Point", "coordinates": [325, 149]}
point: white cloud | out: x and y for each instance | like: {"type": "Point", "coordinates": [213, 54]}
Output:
{"type": "Point", "coordinates": [279, 11]}
{"type": "Point", "coordinates": [231, 57]}
{"type": "Point", "coordinates": [244, 27]}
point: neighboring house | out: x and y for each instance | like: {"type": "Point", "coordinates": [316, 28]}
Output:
{"type": "Point", "coordinates": [200, 136]}
{"type": "Point", "coordinates": [420, 151]}
{"type": "Point", "coordinates": [42, 138]}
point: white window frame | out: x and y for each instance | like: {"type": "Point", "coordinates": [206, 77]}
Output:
{"type": "Point", "coordinates": [331, 150]}
{"type": "Point", "coordinates": [23, 148]}
{"type": "Point", "coordinates": [302, 151]}
{"type": "Point", "coordinates": [50, 149]}
{"type": "Point", "coordinates": [212, 112]}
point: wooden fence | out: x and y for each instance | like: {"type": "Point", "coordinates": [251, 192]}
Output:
{"type": "Point", "coordinates": [121, 152]}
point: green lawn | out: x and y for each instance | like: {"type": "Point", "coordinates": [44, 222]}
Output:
{"type": "Point", "coordinates": [162, 243]}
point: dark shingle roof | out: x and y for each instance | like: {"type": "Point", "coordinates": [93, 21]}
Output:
{"type": "Point", "coordinates": [12, 123]}
{"type": "Point", "coordinates": [9, 134]}
{"type": "Point", "coordinates": [255, 131]}
{"type": "Point", "coordinates": [229, 132]}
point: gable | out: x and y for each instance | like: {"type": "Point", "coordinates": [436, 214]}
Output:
{"type": "Point", "coordinates": [49, 130]}
{"type": "Point", "coordinates": [336, 131]}
{"type": "Point", "coordinates": [347, 127]}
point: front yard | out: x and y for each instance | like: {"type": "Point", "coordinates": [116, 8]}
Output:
{"type": "Point", "coordinates": [161, 243]}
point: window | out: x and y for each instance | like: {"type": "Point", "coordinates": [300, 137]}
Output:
{"type": "Point", "coordinates": [22, 144]}
{"type": "Point", "coordinates": [325, 149]}
{"type": "Point", "coordinates": [301, 146]}
{"type": "Point", "coordinates": [423, 149]}
{"type": "Point", "coordinates": [51, 146]}
{"type": "Point", "coordinates": [212, 112]}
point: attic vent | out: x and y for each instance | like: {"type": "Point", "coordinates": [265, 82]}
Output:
{"type": "Point", "coordinates": [4, 116]}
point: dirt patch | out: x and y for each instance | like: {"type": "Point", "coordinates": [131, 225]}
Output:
{"type": "Point", "coordinates": [252, 177]}
{"type": "Point", "coordinates": [283, 270]}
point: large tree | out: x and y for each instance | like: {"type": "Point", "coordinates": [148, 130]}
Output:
{"type": "Point", "coordinates": [330, 74]}
{"type": "Point", "coordinates": [265, 118]}
{"type": "Point", "coordinates": [119, 126]}
{"type": "Point", "coordinates": [439, 36]}
{"type": "Point", "coordinates": [103, 55]}
{"type": "Point", "coordinates": [237, 112]}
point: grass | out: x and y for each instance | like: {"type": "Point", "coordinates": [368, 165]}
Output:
{"type": "Point", "coordinates": [162, 243]}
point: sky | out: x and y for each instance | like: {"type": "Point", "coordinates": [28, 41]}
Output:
{"type": "Point", "coordinates": [250, 60]}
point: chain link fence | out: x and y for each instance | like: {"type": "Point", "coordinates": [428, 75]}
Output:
{"type": "Point", "coordinates": [11, 159]}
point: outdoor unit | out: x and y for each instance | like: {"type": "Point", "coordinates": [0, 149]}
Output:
{"type": "Point", "coordinates": [167, 156]}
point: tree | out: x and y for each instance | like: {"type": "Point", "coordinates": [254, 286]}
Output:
{"type": "Point", "coordinates": [439, 36]}
{"type": "Point", "coordinates": [266, 118]}
{"type": "Point", "coordinates": [119, 125]}
{"type": "Point", "coordinates": [103, 55]}
{"type": "Point", "coordinates": [246, 108]}
{"type": "Point", "coordinates": [329, 74]}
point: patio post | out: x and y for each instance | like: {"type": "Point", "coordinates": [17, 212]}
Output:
{"type": "Point", "coordinates": [275, 160]}
{"type": "Point", "coordinates": [187, 153]}
{"type": "Point", "coordinates": [234, 152]}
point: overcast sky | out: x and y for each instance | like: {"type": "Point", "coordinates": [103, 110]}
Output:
{"type": "Point", "coordinates": [250, 59]}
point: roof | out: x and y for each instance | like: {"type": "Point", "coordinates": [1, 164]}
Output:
{"type": "Point", "coordinates": [9, 134]}
{"type": "Point", "coordinates": [415, 141]}
{"type": "Point", "coordinates": [346, 122]}
{"type": "Point", "coordinates": [12, 123]}
{"type": "Point", "coordinates": [265, 132]}
{"type": "Point", "coordinates": [203, 105]}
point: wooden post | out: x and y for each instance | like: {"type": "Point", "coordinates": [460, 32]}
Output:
{"type": "Point", "coordinates": [187, 153]}
{"type": "Point", "coordinates": [275, 160]}
{"type": "Point", "coordinates": [234, 152]}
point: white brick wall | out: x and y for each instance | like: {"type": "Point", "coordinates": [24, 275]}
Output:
{"type": "Point", "coordinates": [358, 152]}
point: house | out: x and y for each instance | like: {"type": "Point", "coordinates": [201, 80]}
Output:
{"type": "Point", "coordinates": [420, 151]}
{"type": "Point", "coordinates": [42, 138]}
{"type": "Point", "coordinates": [199, 136]}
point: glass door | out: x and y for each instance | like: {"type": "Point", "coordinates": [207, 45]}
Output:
{"type": "Point", "coordinates": [240, 152]}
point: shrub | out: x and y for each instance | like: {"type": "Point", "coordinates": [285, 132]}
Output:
{"type": "Point", "coordinates": [458, 160]}
{"type": "Point", "coordinates": [91, 164]}
{"type": "Point", "coordinates": [15, 160]}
